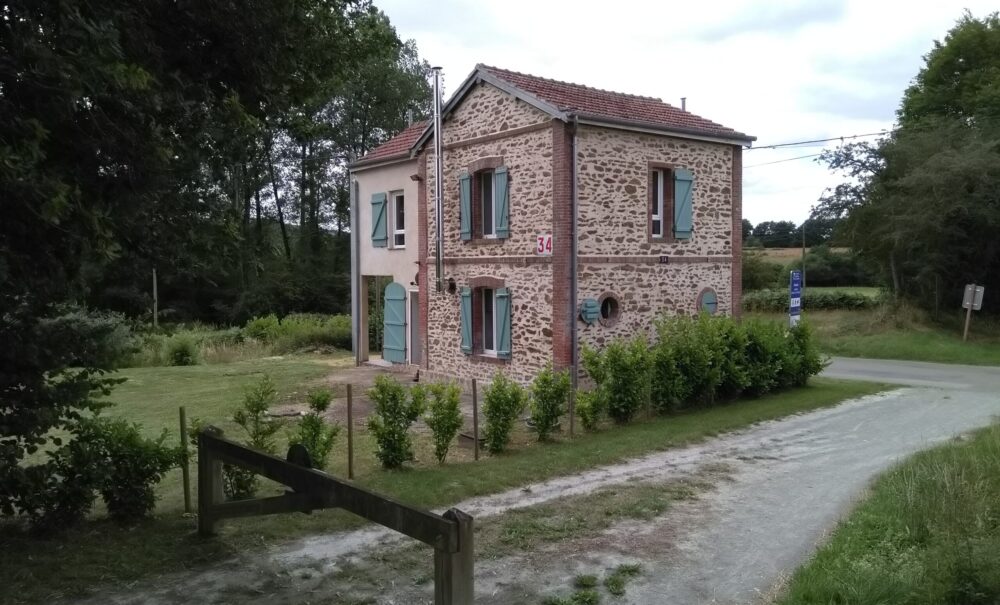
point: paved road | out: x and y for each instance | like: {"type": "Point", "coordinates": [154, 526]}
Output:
{"type": "Point", "coordinates": [917, 373]}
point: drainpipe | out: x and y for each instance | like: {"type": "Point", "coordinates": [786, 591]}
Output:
{"type": "Point", "coordinates": [574, 340]}
{"type": "Point", "coordinates": [438, 178]}
{"type": "Point", "coordinates": [352, 183]}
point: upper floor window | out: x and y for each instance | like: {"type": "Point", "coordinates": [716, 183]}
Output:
{"type": "Point", "coordinates": [671, 203]}
{"type": "Point", "coordinates": [484, 205]}
{"type": "Point", "coordinates": [398, 220]}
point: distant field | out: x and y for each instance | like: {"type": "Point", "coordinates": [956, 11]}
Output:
{"type": "Point", "coordinates": [784, 255]}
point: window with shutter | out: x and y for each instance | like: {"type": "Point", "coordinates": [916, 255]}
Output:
{"type": "Point", "coordinates": [501, 203]}
{"type": "Point", "coordinates": [683, 203]}
{"type": "Point", "coordinates": [380, 237]}
{"type": "Point", "coordinates": [503, 323]}
{"type": "Point", "coordinates": [466, 320]}
{"type": "Point", "coordinates": [465, 205]}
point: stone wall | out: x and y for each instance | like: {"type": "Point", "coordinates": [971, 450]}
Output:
{"type": "Point", "coordinates": [613, 179]}
{"type": "Point", "coordinates": [483, 127]}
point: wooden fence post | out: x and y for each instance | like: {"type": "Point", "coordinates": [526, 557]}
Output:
{"type": "Point", "coordinates": [350, 435]}
{"type": "Point", "coordinates": [454, 573]}
{"type": "Point", "coordinates": [185, 456]}
{"type": "Point", "coordinates": [475, 421]}
{"type": "Point", "coordinates": [209, 487]}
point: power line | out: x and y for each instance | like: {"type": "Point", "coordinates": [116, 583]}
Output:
{"type": "Point", "coordinates": [801, 157]}
{"type": "Point", "coordinates": [841, 138]}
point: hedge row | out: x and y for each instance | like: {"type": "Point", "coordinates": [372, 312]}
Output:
{"type": "Point", "coordinates": [695, 363]}
{"type": "Point", "coordinates": [777, 300]}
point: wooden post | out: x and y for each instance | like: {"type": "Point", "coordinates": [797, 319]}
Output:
{"type": "Point", "coordinates": [454, 572]}
{"type": "Point", "coordinates": [968, 316]}
{"type": "Point", "coordinates": [475, 421]}
{"type": "Point", "coordinates": [185, 455]}
{"type": "Point", "coordinates": [209, 487]}
{"type": "Point", "coordinates": [350, 434]}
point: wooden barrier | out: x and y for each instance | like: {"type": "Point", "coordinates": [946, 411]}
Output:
{"type": "Point", "coordinates": [450, 534]}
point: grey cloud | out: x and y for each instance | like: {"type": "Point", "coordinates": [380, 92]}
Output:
{"type": "Point", "coordinates": [880, 106]}
{"type": "Point", "coordinates": [772, 19]}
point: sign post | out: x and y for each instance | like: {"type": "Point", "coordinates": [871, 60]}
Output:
{"type": "Point", "coordinates": [972, 301]}
{"type": "Point", "coordinates": [794, 298]}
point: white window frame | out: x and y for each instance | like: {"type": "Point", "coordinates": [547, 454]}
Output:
{"type": "Point", "coordinates": [492, 327]}
{"type": "Point", "coordinates": [396, 198]}
{"type": "Point", "coordinates": [657, 216]}
{"type": "Point", "coordinates": [483, 175]}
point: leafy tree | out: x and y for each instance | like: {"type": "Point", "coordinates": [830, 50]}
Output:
{"type": "Point", "coordinates": [747, 229]}
{"type": "Point", "coordinates": [924, 203]}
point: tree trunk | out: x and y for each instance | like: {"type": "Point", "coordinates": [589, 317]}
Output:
{"type": "Point", "coordinates": [895, 276]}
{"type": "Point", "coordinates": [277, 203]}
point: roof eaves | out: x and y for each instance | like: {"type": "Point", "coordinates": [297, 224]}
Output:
{"type": "Point", "coordinates": [382, 161]}
{"type": "Point", "coordinates": [696, 133]}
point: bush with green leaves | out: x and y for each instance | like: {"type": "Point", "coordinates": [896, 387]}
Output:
{"type": "Point", "coordinates": [760, 273]}
{"type": "Point", "coordinates": [763, 354]}
{"type": "Point", "coordinates": [622, 374]}
{"type": "Point", "coordinates": [503, 401]}
{"type": "Point", "coordinates": [131, 466]}
{"type": "Point", "coordinates": [444, 416]}
{"type": "Point", "coordinates": [801, 358]}
{"type": "Point", "coordinates": [182, 350]}
{"type": "Point", "coordinates": [549, 393]}
{"type": "Point", "coordinates": [263, 328]}
{"type": "Point", "coordinates": [813, 300]}
{"type": "Point", "coordinates": [390, 421]}
{"type": "Point", "coordinates": [590, 408]}
{"type": "Point", "coordinates": [261, 431]}
{"type": "Point", "coordinates": [313, 432]}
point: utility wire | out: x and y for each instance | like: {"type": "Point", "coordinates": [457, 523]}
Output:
{"type": "Point", "coordinates": [842, 138]}
{"type": "Point", "coordinates": [801, 157]}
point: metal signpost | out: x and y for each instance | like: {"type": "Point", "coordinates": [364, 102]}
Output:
{"type": "Point", "coordinates": [972, 301]}
{"type": "Point", "coordinates": [794, 298]}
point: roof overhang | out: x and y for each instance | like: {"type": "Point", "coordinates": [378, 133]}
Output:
{"type": "Point", "coordinates": [396, 158]}
{"type": "Point", "coordinates": [652, 128]}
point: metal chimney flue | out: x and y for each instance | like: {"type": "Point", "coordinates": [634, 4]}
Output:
{"type": "Point", "coordinates": [438, 178]}
{"type": "Point", "coordinates": [684, 103]}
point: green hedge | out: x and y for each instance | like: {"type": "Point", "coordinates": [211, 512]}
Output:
{"type": "Point", "coordinates": [777, 300]}
{"type": "Point", "coordinates": [695, 363]}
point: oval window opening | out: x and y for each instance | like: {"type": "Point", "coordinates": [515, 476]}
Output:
{"type": "Point", "coordinates": [610, 309]}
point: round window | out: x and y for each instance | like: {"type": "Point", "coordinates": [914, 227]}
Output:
{"type": "Point", "coordinates": [610, 309]}
{"type": "Point", "coordinates": [708, 301]}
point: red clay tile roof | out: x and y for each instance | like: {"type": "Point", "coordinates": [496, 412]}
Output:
{"type": "Point", "coordinates": [396, 147]}
{"type": "Point", "coordinates": [596, 103]}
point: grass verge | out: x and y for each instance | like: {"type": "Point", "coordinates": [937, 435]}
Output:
{"type": "Point", "coordinates": [878, 334]}
{"type": "Point", "coordinates": [929, 533]}
{"type": "Point", "coordinates": [102, 555]}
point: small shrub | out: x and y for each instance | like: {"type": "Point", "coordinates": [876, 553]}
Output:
{"type": "Point", "coordinates": [585, 581]}
{"type": "Point", "coordinates": [622, 375]}
{"type": "Point", "coordinates": [130, 466]}
{"type": "Point", "coordinates": [760, 273]}
{"type": "Point", "coordinates": [313, 432]}
{"type": "Point", "coordinates": [390, 422]}
{"type": "Point", "coordinates": [765, 342]}
{"type": "Point", "coordinates": [549, 392]}
{"type": "Point", "coordinates": [503, 401]}
{"type": "Point", "coordinates": [801, 358]}
{"type": "Point", "coordinates": [182, 351]}
{"type": "Point", "coordinates": [444, 416]}
{"type": "Point", "coordinates": [63, 489]}
{"type": "Point", "coordinates": [590, 407]}
{"type": "Point", "coordinates": [260, 429]}
{"type": "Point", "coordinates": [262, 328]}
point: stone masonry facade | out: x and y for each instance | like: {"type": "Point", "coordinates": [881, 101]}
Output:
{"type": "Point", "coordinates": [616, 257]}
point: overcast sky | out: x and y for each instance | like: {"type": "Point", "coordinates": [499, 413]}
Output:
{"type": "Point", "coordinates": [779, 70]}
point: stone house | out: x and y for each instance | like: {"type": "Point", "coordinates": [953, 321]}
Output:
{"type": "Point", "coordinates": [571, 216]}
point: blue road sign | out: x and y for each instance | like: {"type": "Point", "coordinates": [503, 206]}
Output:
{"type": "Point", "coordinates": [794, 297]}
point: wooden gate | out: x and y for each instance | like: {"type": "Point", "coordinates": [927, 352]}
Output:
{"type": "Point", "coordinates": [450, 534]}
{"type": "Point", "coordinates": [394, 314]}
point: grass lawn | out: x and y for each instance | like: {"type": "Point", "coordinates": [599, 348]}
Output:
{"type": "Point", "coordinates": [100, 554]}
{"type": "Point", "coordinates": [874, 334]}
{"type": "Point", "coordinates": [929, 533]}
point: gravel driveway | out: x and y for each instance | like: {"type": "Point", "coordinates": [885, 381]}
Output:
{"type": "Point", "coordinates": [789, 481]}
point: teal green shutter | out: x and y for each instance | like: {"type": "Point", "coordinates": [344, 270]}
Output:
{"type": "Point", "coordinates": [394, 324]}
{"type": "Point", "coordinates": [503, 323]}
{"type": "Point", "coordinates": [683, 203]}
{"type": "Point", "coordinates": [501, 206]}
{"type": "Point", "coordinates": [466, 313]}
{"type": "Point", "coordinates": [379, 231]}
{"type": "Point", "coordinates": [590, 311]}
{"type": "Point", "coordinates": [465, 207]}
